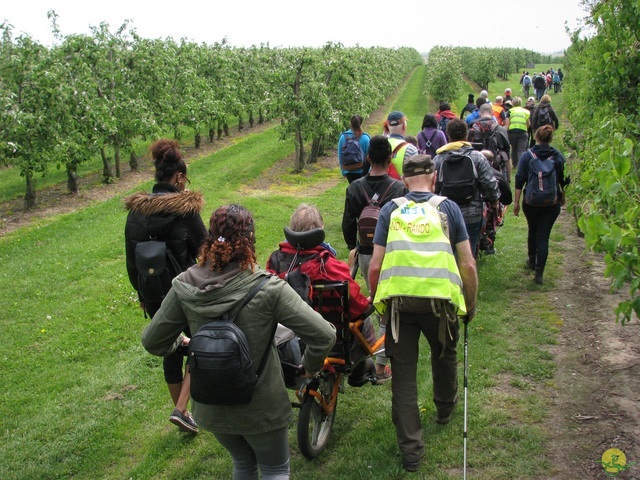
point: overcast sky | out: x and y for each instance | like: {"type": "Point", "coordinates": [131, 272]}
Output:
{"type": "Point", "coordinates": [280, 23]}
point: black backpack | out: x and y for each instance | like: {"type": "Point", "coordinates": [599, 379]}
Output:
{"type": "Point", "coordinates": [544, 116]}
{"type": "Point", "coordinates": [157, 267]}
{"type": "Point", "coordinates": [489, 141]}
{"type": "Point", "coordinates": [458, 178]}
{"type": "Point", "coordinates": [368, 218]}
{"type": "Point", "coordinates": [222, 372]}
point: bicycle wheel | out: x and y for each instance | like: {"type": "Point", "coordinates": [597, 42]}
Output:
{"type": "Point", "coordinates": [314, 426]}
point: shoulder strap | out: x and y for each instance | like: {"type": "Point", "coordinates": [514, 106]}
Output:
{"type": "Point", "coordinates": [400, 201]}
{"type": "Point", "coordinates": [364, 192]}
{"type": "Point", "coordinates": [398, 147]}
{"type": "Point", "coordinates": [435, 132]}
{"type": "Point", "coordinates": [384, 194]}
{"type": "Point", "coordinates": [436, 200]}
{"type": "Point", "coordinates": [234, 313]}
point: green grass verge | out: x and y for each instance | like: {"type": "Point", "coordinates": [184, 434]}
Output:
{"type": "Point", "coordinates": [82, 399]}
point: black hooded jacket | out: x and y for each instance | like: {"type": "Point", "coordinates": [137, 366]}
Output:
{"type": "Point", "coordinates": [169, 215]}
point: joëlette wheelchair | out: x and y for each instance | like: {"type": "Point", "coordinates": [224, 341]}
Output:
{"type": "Point", "coordinates": [317, 397]}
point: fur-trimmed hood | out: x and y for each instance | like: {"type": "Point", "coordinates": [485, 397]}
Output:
{"type": "Point", "coordinates": [176, 203]}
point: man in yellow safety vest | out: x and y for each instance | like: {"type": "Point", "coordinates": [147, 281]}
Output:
{"type": "Point", "coordinates": [420, 285]}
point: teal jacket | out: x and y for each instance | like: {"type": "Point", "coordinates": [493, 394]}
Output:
{"type": "Point", "coordinates": [364, 144]}
{"type": "Point", "coordinates": [200, 294]}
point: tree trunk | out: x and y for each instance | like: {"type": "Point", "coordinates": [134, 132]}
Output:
{"type": "Point", "coordinates": [117, 161]}
{"type": "Point", "coordinates": [260, 116]}
{"type": "Point", "coordinates": [219, 130]}
{"type": "Point", "coordinates": [73, 180]}
{"type": "Point", "coordinates": [197, 140]}
{"type": "Point", "coordinates": [298, 161]}
{"type": "Point", "coordinates": [317, 149]}
{"type": "Point", "coordinates": [251, 121]}
{"type": "Point", "coordinates": [226, 129]}
{"type": "Point", "coordinates": [107, 173]}
{"type": "Point", "coordinates": [133, 162]}
{"type": "Point", "coordinates": [240, 123]}
{"type": "Point", "coordinates": [212, 135]}
{"type": "Point", "coordinates": [30, 193]}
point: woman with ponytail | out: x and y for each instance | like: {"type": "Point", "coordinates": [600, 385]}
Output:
{"type": "Point", "coordinates": [171, 214]}
{"type": "Point", "coordinates": [256, 433]}
{"type": "Point", "coordinates": [353, 172]}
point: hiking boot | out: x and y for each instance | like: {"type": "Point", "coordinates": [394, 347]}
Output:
{"type": "Point", "coordinates": [538, 277]}
{"type": "Point", "coordinates": [185, 423]}
{"type": "Point", "coordinates": [383, 377]}
{"type": "Point", "coordinates": [444, 419]}
{"type": "Point", "coordinates": [489, 250]}
{"type": "Point", "coordinates": [368, 373]}
{"type": "Point", "coordinates": [411, 466]}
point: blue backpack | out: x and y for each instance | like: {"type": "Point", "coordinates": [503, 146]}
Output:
{"type": "Point", "coordinates": [351, 154]}
{"type": "Point", "coordinates": [442, 124]}
{"type": "Point", "coordinates": [542, 184]}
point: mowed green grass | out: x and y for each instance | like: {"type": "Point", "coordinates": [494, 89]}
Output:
{"type": "Point", "coordinates": [82, 399]}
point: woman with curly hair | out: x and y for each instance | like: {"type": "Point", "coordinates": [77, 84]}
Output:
{"type": "Point", "coordinates": [169, 213]}
{"type": "Point", "coordinates": [255, 434]}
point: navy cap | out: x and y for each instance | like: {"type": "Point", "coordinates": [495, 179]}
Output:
{"type": "Point", "coordinates": [395, 118]}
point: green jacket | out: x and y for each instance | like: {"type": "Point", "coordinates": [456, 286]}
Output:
{"type": "Point", "coordinates": [200, 294]}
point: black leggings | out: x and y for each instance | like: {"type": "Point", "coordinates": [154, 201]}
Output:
{"type": "Point", "coordinates": [540, 221]}
{"type": "Point", "coordinates": [172, 364]}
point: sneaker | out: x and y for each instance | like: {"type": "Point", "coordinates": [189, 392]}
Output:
{"type": "Point", "coordinates": [383, 377]}
{"type": "Point", "coordinates": [184, 422]}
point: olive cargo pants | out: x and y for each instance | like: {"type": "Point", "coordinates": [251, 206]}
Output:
{"type": "Point", "coordinates": [405, 411]}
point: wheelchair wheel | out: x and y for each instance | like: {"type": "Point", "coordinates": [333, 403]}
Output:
{"type": "Point", "coordinates": [314, 427]}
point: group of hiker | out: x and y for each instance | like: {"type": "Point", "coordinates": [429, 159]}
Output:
{"type": "Point", "coordinates": [542, 82]}
{"type": "Point", "coordinates": [418, 210]}
{"type": "Point", "coordinates": [457, 177]}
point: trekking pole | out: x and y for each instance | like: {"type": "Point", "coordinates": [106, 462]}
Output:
{"type": "Point", "coordinates": [466, 375]}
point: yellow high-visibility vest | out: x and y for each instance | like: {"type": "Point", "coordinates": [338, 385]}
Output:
{"type": "Point", "coordinates": [418, 260]}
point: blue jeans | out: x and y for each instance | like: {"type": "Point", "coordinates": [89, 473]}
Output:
{"type": "Point", "coordinates": [269, 450]}
{"type": "Point", "coordinates": [540, 221]}
{"type": "Point", "coordinates": [473, 230]}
